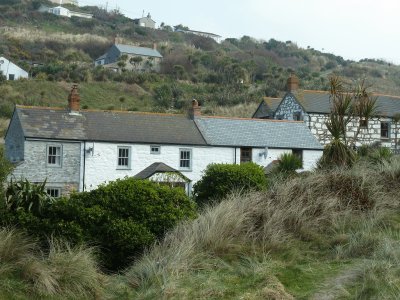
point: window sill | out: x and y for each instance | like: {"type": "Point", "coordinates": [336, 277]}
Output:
{"type": "Point", "coordinates": [185, 170]}
{"type": "Point", "coordinates": [54, 166]}
{"type": "Point", "coordinates": [124, 169]}
{"type": "Point", "coordinates": [385, 139]}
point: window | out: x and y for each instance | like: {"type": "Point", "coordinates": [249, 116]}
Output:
{"type": "Point", "coordinates": [245, 155]}
{"type": "Point", "coordinates": [363, 123]}
{"type": "Point", "coordinates": [297, 116]}
{"type": "Point", "coordinates": [11, 76]}
{"type": "Point", "coordinates": [54, 155]}
{"type": "Point", "coordinates": [155, 150]}
{"type": "Point", "coordinates": [385, 130]}
{"type": "Point", "coordinates": [54, 192]}
{"type": "Point", "coordinates": [299, 154]}
{"type": "Point", "coordinates": [124, 157]}
{"type": "Point", "coordinates": [185, 159]}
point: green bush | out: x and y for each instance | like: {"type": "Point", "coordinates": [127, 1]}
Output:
{"type": "Point", "coordinates": [220, 179]}
{"type": "Point", "coordinates": [122, 218]}
{"type": "Point", "coordinates": [288, 163]}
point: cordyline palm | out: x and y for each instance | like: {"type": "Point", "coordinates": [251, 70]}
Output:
{"type": "Point", "coordinates": [364, 106]}
{"type": "Point", "coordinates": [337, 152]}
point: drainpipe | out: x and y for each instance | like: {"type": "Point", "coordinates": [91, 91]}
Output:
{"type": "Point", "coordinates": [84, 166]}
{"type": "Point", "coordinates": [235, 155]}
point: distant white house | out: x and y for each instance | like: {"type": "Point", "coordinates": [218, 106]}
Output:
{"type": "Point", "coordinates": [210, 35]}
{"type": "Point", "coordinates": [11, 70]}
{"type": "Point", "coordinates": [65, 12]}
{"type": "Point", "coordinates": [73, 2]}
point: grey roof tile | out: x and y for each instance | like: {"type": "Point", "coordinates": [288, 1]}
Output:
{"type": "Point", "coordinates": [256, 133]}
{"type": "Point", "coordinates": [138, 50]}
{"type": "Point", "coordinates": [109, 126]}
{"type": "Point", "coordinates": [319, 102]}
{"type": "Point", "coordinates": [157, 167]}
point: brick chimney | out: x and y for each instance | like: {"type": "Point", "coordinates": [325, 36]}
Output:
{"type": "Point", "coordinates": [292, 83]}
{"type": "Point", "coordinates": [74, 99]}
{"type": "Point", "coordinates": [195, 110]}
{"type": "Point", "coordinates": [155, 46]}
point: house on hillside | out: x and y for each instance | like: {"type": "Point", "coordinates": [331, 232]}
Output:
{"type": "Point", "coordinates": [133, 58]}
{"type": "Point", "coordinates": [65, 12]}
{"type": "Point", "coordinates": [73, 2]}
{"type": "Point", "coordinates": [74, 149]}
{"type": "Point", "coordinates": [10, 70]}
{"type": "Point", "coordinates": [147, 22]}
{"type": "Point", "coordinates": [210, 35]}
{"type": "Point", "coordinates": [313, 107]}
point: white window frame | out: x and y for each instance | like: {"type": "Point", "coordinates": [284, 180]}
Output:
{"type": "Point", "coordinates": [189, 168]}
{"type": "Point", "coordinates": [124, 167]}
{"type": "Point", "coordinates": [155, 152]}
{"type": "Point", "coordinates": [49, 188]}
{"type": "Point", "coordinates": [55, 165]}
{"type": "Point", "coordinates": [388, 130]}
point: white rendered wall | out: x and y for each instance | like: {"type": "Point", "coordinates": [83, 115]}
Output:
{"type": "Point", "coordinates": [101, 166]}
{"type": "Point", "coordinates": [7, 68]}
{"type": "Point", "coordinates": [310, 159]}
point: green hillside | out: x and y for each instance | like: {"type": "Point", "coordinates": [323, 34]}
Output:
{"type": "Point", "coordinates": [230, 77]}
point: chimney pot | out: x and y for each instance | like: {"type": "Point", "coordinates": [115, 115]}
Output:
{"type": "Point", "coordinates": [292, 83]}
{"type": "Point", "coordinates": [74, 99]}
{"type": "Point", "coordinates": [195, 110]}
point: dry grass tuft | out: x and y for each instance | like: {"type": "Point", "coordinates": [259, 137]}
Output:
{"type": "Point", "coordinates": [64, 271]}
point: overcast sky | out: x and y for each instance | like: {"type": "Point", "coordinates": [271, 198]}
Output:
{"type": "Point", "coordinates": [353, 29]}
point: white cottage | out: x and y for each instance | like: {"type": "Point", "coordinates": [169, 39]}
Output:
{"type": "Point", "coordinates": [11, 70]}
{"type": "Point", "coordinates": [313, 108]}
{"type": "Point", "coordinates": [76, 149]}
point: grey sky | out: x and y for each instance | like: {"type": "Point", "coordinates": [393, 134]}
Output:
{"type": "Point", "coordinates": [353, 29]}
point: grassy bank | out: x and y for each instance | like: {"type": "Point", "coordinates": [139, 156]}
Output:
{"type": "Point", "coordinates": [329, 234]}
{"type": "Point", "coordinates": [323, 235]}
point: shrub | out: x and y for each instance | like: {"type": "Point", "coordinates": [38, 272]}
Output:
{"type": "Point", "coordinates": [288, 163]}
{"type": "Point", "coordinates": [122, 218]}
{"type": "Point", "coordinates": [220, 179]}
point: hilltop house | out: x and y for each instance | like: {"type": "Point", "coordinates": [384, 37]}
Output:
{"type": "Point", "coordinates": [76, 149]}
{"type": "Point", "coordinates": [64, 12]}
{"type": "Point", "coordinates": [11, 70]}
{"type": "Point", "coordinates": [128, 57]}
{"type": "Point", "coordinates": [313, 108]}
{"type": "Point", "coordinates": [210, 35]}
{"type": "Point", "coordinates": [145, 22]}
{"type": "Point", "coordinates": [73, 2]}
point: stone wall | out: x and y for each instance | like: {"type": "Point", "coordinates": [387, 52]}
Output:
{"type": "Point", "coordinates": [371, 134]}
{"type": "Point", "coordinates": [288, 107]}
{"type": "Point", "coordinates": [35, 167]}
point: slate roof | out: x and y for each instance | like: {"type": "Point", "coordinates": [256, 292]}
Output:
{"type": "Point", "coordinates": [219, 131]}
{"type": "Point", "coordinates": [148, 128]}
{"type": "Point", "coordinates": [267, 107]}
{"type": "Point", "coordinates": [318, 102]}
{"type": "Point", "coordinates": [109, 126]}
{"type": "Point", "coordinates": [128, 49]}
{"type": "Point", "coordinates": [157, 167]}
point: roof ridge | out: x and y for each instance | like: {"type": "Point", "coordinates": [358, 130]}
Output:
{"type": "Point", "coordinates": [250, 119]}
{"type": "Point", "coordinates": [99, 110]}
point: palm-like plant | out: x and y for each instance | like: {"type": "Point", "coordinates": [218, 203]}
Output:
{"type": "Point", "coordinates": [27, 196]}
{"type": "Point", "coordinates": [288, 163]}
